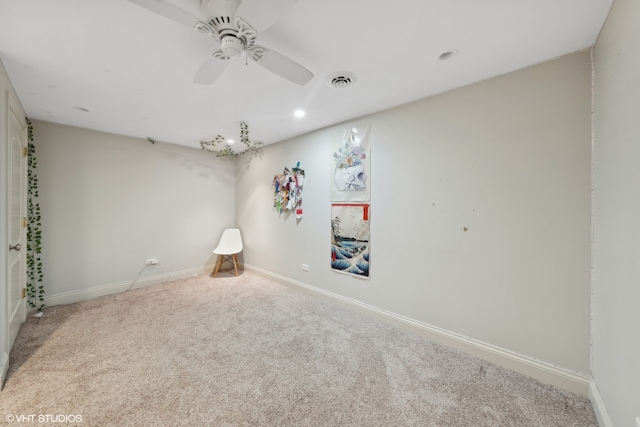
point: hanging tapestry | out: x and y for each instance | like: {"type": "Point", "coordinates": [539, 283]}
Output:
{"type": "Point", "coordinates": [287, 190]}
{"type": "Point", "coordinates": [350, 238]}
{"type": "Point", "coordinates": [351, 165]}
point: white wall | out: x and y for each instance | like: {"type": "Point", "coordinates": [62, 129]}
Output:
{"type": "Point", "coordinates": [509, 158]}
{"type": "Point", "coordinates": [110, 202]}
{"type": "Point", "coordinates": [616, 330]}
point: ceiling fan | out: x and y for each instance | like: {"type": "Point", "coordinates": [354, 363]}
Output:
{"type": "Point", "coordinates": [228, 23]}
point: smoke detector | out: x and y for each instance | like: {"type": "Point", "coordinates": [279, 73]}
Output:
{"type": "Point", "coordinates": [341, 79]}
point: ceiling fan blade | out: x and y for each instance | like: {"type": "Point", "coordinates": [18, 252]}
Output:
{"type": "Point", "coordinates": [168, 10]}
{"type": "Point", "coordinates": [281, 65]}
{"type": "Point", "coordinates": [211, 69]}
{"type": "Point", "coordinates": [261, 14]}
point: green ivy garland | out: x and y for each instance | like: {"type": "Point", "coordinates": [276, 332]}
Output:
{"type": "Point", "coordinates": [35, 287]}
{"type": "Point", "coordinates": [250, 146]}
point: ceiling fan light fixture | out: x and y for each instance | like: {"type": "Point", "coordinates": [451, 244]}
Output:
{"type": "Point", "coordinates": [341, 79]}
{"type": "Point", "coordinates": [231, 46]}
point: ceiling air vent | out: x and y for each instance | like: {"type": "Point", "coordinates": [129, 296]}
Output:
{"type": "Point", "coordinates": [341, 79]}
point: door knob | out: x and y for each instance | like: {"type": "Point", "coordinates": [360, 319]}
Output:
{"type": "Point", "coordinates": [15, 248]}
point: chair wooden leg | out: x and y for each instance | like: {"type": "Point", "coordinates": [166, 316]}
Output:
{"type": "Point", "coordinates": [235, 263]}
{"type": "Point", "coordinates": [218, 266]}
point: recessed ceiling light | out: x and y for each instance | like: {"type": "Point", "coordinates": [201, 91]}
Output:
{"type": "Point", "coordinates": [84, 110]}
{"type": "Point", "coordinates": [299, 114]}
{"type": "Point", "coordinates": [447, 54]}
{"type": "Point", "coordinates": [230, 141]}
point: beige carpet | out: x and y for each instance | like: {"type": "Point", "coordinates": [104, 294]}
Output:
{"type": "Point", "coordinates": [248, 352]}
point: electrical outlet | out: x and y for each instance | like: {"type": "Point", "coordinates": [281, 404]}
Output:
{"type": "Point", "coordinates": [151, 261]}
{"type": "Point", "coordinates": [305, 267]}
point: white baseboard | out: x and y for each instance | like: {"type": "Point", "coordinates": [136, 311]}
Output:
{"type": "Point", "coordinates": [598, 406]}
{"type": "Point", "coordinates": [114, 288]}
{"type": "Point", "coordinates": [4, 366]}
{"type": "Point", "coordinates": [574, 382]}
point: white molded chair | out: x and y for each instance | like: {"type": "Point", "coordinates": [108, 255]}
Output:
{"type": "Point", "coordinates": [229, 247]}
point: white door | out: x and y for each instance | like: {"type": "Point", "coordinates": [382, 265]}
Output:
{"type": "Point", "coordinates": [17, 203]}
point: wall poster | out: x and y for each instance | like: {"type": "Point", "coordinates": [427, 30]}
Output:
{"type": "Point", "coordinates": [351, 165]}
{"type": "Point", "coordinates": [350, 238]}
{"type": "Point", "coordinates": [287, 190]}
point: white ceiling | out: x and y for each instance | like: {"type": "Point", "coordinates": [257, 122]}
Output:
{"type": "Point", "coordinates": [133, 69]}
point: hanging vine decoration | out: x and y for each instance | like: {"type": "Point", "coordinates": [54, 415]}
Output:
{"type": "Point", "coordinates": [250, 146]}
{"type": "Point", "coordinates": [35, 287]}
